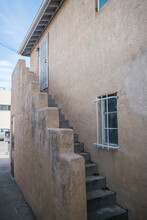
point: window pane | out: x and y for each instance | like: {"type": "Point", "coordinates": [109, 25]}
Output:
{"type": "Point", "coordinates": [105, 136]}
{"type": "Point", "coordinates": [104, 107]}
{"type": "Point", "coordinates": [105, 120]}
{"type": "Point", "coordinates": [112, 120]}
{"type": "Point", "coordinates": [113, 136]}
{"type": "Point", "coordinates": [102, 3]}
{"type": "Point", "coordinates": [112, 105]}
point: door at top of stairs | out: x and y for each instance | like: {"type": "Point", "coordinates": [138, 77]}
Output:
{"type": "Point", "coordinates": [44, 63]}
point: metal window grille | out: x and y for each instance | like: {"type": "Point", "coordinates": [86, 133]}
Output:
{"type": "Point", "coordinates": [103, 104]}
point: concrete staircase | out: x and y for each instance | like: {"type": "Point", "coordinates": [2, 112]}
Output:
{"type": "Point", "coordinates": [101, 201]}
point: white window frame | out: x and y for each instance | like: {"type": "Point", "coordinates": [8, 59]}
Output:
{"type": "Point", "coordinates": [98, 144]}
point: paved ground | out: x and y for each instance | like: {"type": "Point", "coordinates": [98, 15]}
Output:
{"type": "Point", "coordinates": [12, 203]}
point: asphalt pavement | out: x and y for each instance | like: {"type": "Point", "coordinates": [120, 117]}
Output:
{"type": "Point", "coordinates": [12, 203]}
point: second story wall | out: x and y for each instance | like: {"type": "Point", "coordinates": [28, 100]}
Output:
{"type": "Point", "coordinates": [92, 54]}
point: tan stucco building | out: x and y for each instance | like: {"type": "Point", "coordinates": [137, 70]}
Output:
{"type": "Point", "coordinates": [5, 107]}
{"type": "Point", "coordinates": [92, 59]}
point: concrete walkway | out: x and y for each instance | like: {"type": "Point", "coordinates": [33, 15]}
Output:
{"type": "Point", "coordinates": [12, 203]}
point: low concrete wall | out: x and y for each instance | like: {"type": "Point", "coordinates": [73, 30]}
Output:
{"type": "Point", "coordinates": [47, 171]}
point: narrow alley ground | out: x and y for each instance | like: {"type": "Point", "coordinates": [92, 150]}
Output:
{"type": "Point", "coordinates": [12, 203]}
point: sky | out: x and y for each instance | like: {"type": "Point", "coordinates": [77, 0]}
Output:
{"type": "Point", "coordinates": [16, 17]}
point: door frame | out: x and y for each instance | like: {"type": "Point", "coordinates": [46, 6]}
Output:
{"type": "Point", "coordinates": [46, 37]}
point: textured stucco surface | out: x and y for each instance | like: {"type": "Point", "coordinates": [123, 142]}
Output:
{"type": "Point", "coordinates": [96, 53]}
{"type": "Point", "coordinates": [50, 175]}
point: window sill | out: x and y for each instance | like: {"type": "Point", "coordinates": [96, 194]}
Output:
{"type": "Point", "coordinates": [106, 146]}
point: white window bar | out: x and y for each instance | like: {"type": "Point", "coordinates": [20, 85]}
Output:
{"type": "Point", "coordinates": [111, 128]}
{"type": "Point", "coordinates": [108, 146]}
{"type": "Point", "coordinates": [107, 123]}
{"type": "Point", "coordinates": [102, 120]}
{"type": "Point", "coordinates": [97, 119]}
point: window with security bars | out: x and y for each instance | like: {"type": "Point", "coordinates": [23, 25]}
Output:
{"type": "Point", "coordinates": [107, 125]}
{"type": "Point", "coordinates": [109, 120]}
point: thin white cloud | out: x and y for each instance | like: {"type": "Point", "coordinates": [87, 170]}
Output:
{"type": "Point", "coordinates": [5, 76]}
{"type": "Point", "coordinates": [5, 63]}
{"type": "Point", "coordinates": [12, 33]}
{"type": "Point", "coordinates": [6, 79]}
{"type": "Point", "coordinates": [5, 70]}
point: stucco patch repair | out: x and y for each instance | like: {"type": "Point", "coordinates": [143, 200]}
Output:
{"type": "Point", "coordinates": [135, 81]}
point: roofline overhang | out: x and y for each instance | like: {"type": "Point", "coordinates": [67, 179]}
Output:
{"type": "Point", "coordinates": [23, 50]}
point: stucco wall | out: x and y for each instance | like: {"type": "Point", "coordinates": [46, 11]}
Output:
{"type": "Point", "coordinates": [5, 99]}
{"type": "Point", "coordinates": [96, 53]}
{"type": "Point", "coordinates": [50, 175]}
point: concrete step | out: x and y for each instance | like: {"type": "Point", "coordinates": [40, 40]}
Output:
{"type": "Point", "coordinates": [75, 138]}
{"type": "Point", "coordinates": [61, 115]}
{"type": "Point", "coordinates": [52, 105]}
{"type": "Point", "coordinates": [91, 169]}
{"type": "Point", "coordinates": [78, 147]}
{"type": "Point", "coordinates": [95, 182]}
{"type": "Point", "coordinates": [114, 212]}
{"type": "Point", "coordinates": [51, 101]}
{"type": "Point", "coordinates": [100, 198]}
{"type": "Point", "coordinates": [100, 201]}
{"type": "Point", "coordinates": [64, 124]}
{"type": "Point", "coordinates": [86, 156]}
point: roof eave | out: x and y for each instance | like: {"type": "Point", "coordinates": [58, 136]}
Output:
{"type": "Point", "coordinates": [32, 29]}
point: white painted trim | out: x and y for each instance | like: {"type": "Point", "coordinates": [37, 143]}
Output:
{"type": "Point", "coordinates": [109, 97]}
{"type": "Point", "coordinates": [34, 24]}
{"type": "Point", "coordinates": [103, 145]}
{"type": "Point", "coordinates": [107, 146]}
